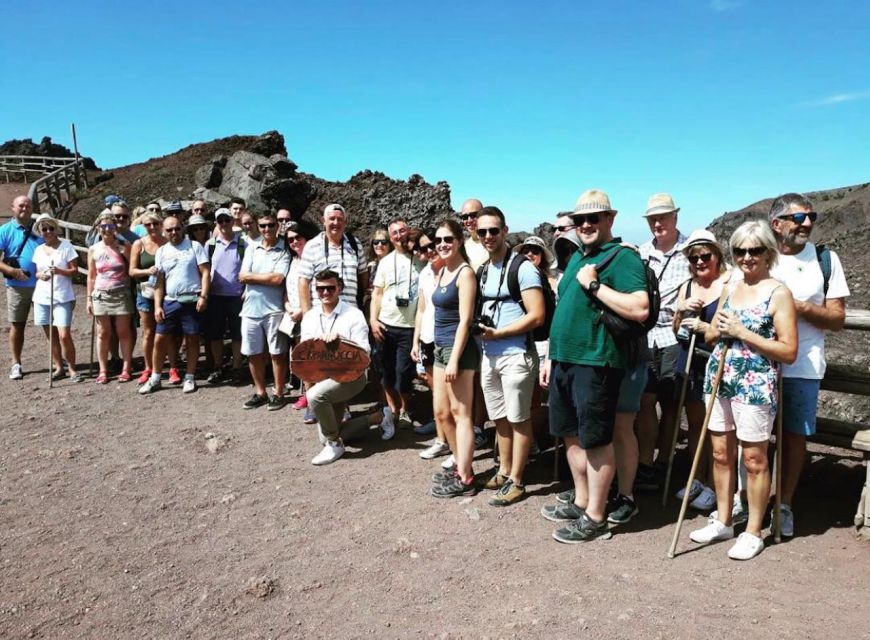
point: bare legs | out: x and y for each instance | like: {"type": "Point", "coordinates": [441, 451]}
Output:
{"type": "Point", "coordinates": [592, 470]}
{"type": "Point", "coordinates": [125, 340]}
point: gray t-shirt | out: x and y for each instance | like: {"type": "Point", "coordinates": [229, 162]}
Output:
{"type": "Point", "coordinates": [263, 300]}
{"type": "Point", "coordinates": [180, 266]}
{"type": "Point", "coordinates": [502, 309]}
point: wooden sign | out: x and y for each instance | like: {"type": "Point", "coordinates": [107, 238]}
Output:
{"type": "Point", "coordinates": [314, 360]}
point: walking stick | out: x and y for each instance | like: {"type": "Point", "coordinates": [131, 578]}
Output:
{"type": "Point", "coordinates": [700, 448]}
{"type": "Point", "coordinates": [677, 419]}
{"type": "Point", "coordinates": [51, 328]}
{"type": "Point", "coordinates": [777, 500]}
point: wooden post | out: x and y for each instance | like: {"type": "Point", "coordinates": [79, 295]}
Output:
{"type": "Point", "coordinates": [78, 158]}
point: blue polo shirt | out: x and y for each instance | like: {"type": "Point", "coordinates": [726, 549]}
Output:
{"type": "Point", "coordinates": [12, 245]}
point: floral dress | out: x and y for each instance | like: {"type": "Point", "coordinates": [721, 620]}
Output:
{"type": "Point", "coordinates": [748, 376]}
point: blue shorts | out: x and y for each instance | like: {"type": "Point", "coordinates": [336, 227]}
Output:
{"type": "Point", "coordinates": [180, 318]}
{"type": "Point", "coordinates": [63, 312]}
{"type": "Point", "coordinates": [146, 305]}
{"type": "Point", "coordinates": [800, 400]}
{"type": "Point", "coordinates": [631, 389]}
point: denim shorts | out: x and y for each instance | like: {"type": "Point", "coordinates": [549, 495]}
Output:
{"type": "Point", "coordinates": [143, 304]}
{"type": "Point", "coordinates": [180, 318]}
{"type": "Point", "coordinates": [63, 312]}
{"type": "Point", "coordinates": [800, 401]}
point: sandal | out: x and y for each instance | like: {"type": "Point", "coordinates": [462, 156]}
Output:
{"type": "Point", "coordinates": [125, 376]}
{"type": "Point", "coordinates": [103, 378]}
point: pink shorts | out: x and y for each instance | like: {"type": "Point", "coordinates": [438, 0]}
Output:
{"type": "Point", "coordinates": [753, 422]}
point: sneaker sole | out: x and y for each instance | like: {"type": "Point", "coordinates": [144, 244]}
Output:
{"type": "Point", "coordinates": [604, 536]}
{"type": "Point", "coordinates": [464, 494]}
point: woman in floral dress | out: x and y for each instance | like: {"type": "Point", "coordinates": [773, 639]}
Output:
{"type": "Point", "coordinates": [759, 323]}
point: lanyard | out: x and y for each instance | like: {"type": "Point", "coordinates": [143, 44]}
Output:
{"type": "Point", "coordinates": [326, 253]}
{"type": "Point", "coordinates": [396, 273]}
{"type": "Point", "coordinates": [324, 331]}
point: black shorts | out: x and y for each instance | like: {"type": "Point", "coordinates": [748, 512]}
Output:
{"type": "Point", "coordinates": [399, 369]}
{"type": "Point", "coordinates": [583, 402]}
{"type": "Point", "coordinates": [223, 314]}
{"type": "Point", "coordinates": [427, 354]}
{"type": "Point", "coordinates": [662, 370]}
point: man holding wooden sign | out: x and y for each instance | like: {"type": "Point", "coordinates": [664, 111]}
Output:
{"type": "Point", "coordinates": [338, 367]}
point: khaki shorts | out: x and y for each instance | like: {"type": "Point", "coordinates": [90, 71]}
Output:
{"type": "Point", "coordinates": [117, 302]}
{"type": "Point", "coordinates": [753, 422]}
{"type": "Point", "coordinates": [508, 382]}
{"type": "Point", "coordinates": [18, 302]}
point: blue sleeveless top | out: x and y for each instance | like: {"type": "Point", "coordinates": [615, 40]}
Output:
{"type": "Point", "coordinates": [446, 301]}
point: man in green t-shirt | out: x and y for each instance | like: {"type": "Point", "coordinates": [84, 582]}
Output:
{"type": "Point", "coordinates": [585, 367]}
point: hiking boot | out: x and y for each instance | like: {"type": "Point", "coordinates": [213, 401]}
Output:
{"type": "Point", "coordinates": [566, 497]}
{"type": "Point", "coordinates": [255, 401]}
{"type": "Point", "coordinates": [747, 547]}
{"type": "Point", "coordinates": [646, 479]}
{"type": "Point", "coordinates": [715, 531]}
{"type": "Point", "coordinates": [276, 403]}
{"type": "Point", "coordinates": [786, 520]}
{"type": "Point", "coordinates": [437, 448]}
{"type": "Point", "coordinates": [622, 509]}
{"type": "Point", "coordinates": [562, 512]}
{"type": "Point", "coordinates": [16, 372]}
{"type": "Point", "coordinates": [585, 529]}
{"type": "Point", "coordinates": [454, 488]}
{"type": "Point", "coordinates": [497, 481]}
{"type": "Point", "coordinates": [508, 494]}
{"type": "Point", "coordinates": [151, 386]}
{"type": "Point", "coordinates": [174, 377]}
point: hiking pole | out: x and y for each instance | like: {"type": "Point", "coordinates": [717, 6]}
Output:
{"type": "Point", "coordinates": [777, 500]}
{"type": "Point", "coordinates": [680, 404]}
{"type": "Point", "coordinates": [51, 328]}
{"type": "Point", "coordinates": [699, 450]}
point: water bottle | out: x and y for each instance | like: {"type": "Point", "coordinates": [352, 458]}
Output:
{"type": "Point", "coordinates": [683, 332]}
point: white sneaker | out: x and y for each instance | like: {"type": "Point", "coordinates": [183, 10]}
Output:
{"type": "Point", "coordinates": [437, 448]}
{"type": "Point", "coordinates": [694, 490]}
{"type": "Point", "coordinates": [150, 386]}
{"type": "Point", "coordinates": [16, 373]}
{"type": "Point", "coordinates": [189, 384]}
{"type": "Point", "coordinates": [786, 521]}
{"type": "Point", "coordinates": [330, 453]}
{"type": "Point", "coordinates": [449, 463]}
{"type": "Point", "coordinates": [713, 532]}
{"type": "Point", "coordinates": [747, 547]}
{"type": "Point", "coordinates": [387, 425]}
{"type": "Point", "coordinates": [705, 500]}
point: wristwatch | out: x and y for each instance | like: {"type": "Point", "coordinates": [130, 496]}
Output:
{"type": "Point", "coordinates": [593, 287]}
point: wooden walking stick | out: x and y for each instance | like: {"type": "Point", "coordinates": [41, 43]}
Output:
{"type": "Point", "coordinates": [677, 419]}
{"type": "Point", "coordinates": [777, 500]}
{"type": "Point", "coordinates": [700, 448]}
{"type": "Point", "coordinates": [51, 328]}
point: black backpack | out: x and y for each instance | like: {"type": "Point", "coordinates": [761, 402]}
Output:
{"type": "Point", "coordinates": [823, 255]}
{"type": "Point", "coordinates": [626, 332]}
{"type": "Point", "coordinates": [541, 333]}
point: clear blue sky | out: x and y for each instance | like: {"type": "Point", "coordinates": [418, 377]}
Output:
{"type": "Point", "coordinates": [522, 104]}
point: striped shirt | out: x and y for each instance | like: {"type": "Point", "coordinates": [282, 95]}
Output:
{"type": "Point", "coordinates": [346, 262]}
{"type": "Point", "coordinates": [672, 270]}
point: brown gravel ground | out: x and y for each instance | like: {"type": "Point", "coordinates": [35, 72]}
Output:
{"type": "Point", "coordinates": [177, 516]}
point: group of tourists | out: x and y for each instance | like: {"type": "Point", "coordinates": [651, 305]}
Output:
{"type": "Point", "coordinates": [590, 339]}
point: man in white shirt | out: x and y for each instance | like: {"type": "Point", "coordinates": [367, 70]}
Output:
{"type": "Point", "coordinates": [477, 254]}
{"type": "Point", "coordinates": [333, 320]}
{"type": "Point", "coordinates": [821, 305]}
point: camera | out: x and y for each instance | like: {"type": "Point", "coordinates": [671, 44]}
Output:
{"type": "Point", "coordinates": [486, 321]}
{"type": "Point", "coordinates": [402, 302]}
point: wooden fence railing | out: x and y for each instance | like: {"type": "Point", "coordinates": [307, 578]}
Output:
{"type": "Point", "coordinates": [59, 179]}
{"type": "Point", "coordinates": [23, 168]}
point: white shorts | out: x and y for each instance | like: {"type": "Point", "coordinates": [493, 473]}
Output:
{"type": "Point", "coordinates": [63, 313]}
{"type": "Point", "coordinates": [508, 382]}
{"type": "Point", "coordinates": [753, 422]}
{"type": "Point", "coordinates": [260, 333]}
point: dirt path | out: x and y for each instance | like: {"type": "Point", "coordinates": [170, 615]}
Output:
{"type": "Point", "coordinates": [177, 516]}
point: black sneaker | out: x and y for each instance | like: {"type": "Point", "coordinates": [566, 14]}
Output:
{"type": "Point", "coordinates": [256, 401]}
{"type": "Point", "coordinates": [566, 497]}
{"type": "Point", "coordinates": [215, 377]}
{"type": "Point", "coordinates": [454, 488]}
{"type": "Point", "coordinates": [585, 529]}
{"type": "Point", "coordinates": [562, 512]}
{"type": "Point", "coordinates": [646, 478]}
{"type": "Point", "coordinates": [621, 510]}
{"type": "Point", "coordinates": [276, 403]}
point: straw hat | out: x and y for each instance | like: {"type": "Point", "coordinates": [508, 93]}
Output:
{"type": "Point", "coordinates": [701, 237]}
{"type": "Point", "coordinates": [535, 241]}
{"type": "Point", "coordinates": [592, 201]}
{"type": "Point", "coordinates": [660, 203]}
{"type": "Point", "coordinates": [45, 218]}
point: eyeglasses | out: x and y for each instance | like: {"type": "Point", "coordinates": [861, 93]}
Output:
{"type": "Point", "coordinates": [267, 225]}
{"type": "Point", "coordinates": [172, 229]}
{"type": "Point", "coordinates": [533, 250]}
{"type": "Point", "coordinates": [326, 288]}
{"type": "Point", "coordinates": [492, 231]}
{"type": "Point", "coordinates": [703, 257]}
{"type": "Point", "coordinates": [467, 216]}
{"type": "Point", "coordinates": [800, 218]}
{"type": "Point", "coordinates": [444, 240]}
{"type": "Point", "coordinates": [740, 252]}
{"type": "Point", "coordinates": [379, 241]}
{"type": "Point", "coordinates": [591, 218]}
{"type": "Point", "coordinates": [565, 227]}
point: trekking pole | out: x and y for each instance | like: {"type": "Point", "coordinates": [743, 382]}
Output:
{"type": "Point", "coordinates": [677, 419]}
{"type": "Point", "coordinates": [777, 500]}
{"type": "Point", "coordinates": [699, 450]}
{"type": "Point", "coordinates": [51, 328]}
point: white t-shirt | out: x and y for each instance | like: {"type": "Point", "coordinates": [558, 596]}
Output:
{"type": "Point", "coordinates": [397, 277]}
{"type": "Point", "coordinates": [802, 274]}
{"type": "Point", "coordinates": [426, 287]}
{"type": "Point", "coordinates": [43, 258]}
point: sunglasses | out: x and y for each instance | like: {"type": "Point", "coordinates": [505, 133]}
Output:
{"type": "Point", "coordinates": [533, 250]}
{"type": "Point", "coordinates": [172, 229]}
{"type": "Point", "coordinates": [327, 288]}
{"type": "Point", "coordinates": [491, 231]}
{"type": "Point", "coordinates": [424, 248]}
{"type": "Point", "coordinates": [800, 218]}
{"type": "Point", "coordinates": [47, 230]}
{"type": "Point", "coordinates": [702, 257]}
{"type": "Point", "coordinates": [740, 252]}
{"type": "Point", "coordinates": [467, 216]}
{"type": "Point", "coordinates": [378, 241]}
{"type": "Point", "coordinates": [198, 227]}
{"type": "Point", "coordinates": [121, 217]}
{"type": "Point", "coordinates": [267, 225]}
{"type": "Point", "coordinates": [224, 220]}
{"type": "Point", "coordinates": [293, 238]}
{"type": "Point", "coordinates": [590, 218]}
{"type": "Point", "coordinates": [444, 240]}
{"type": "Point", "coordinates": [108, 227]}
{"type": "Point", "coordinates": [565, 227]}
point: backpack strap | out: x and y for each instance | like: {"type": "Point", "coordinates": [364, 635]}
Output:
{"type": "Point", "coordinates": [210, 247]}
{"type": "Point", "coordinates": [513, 278]}
{"type": "Point", "coordinates": [601, 266]}
{"type": "Point", "coordinates": [823, 255]}
{"type": "Point", "coordinates": [352, 241]}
